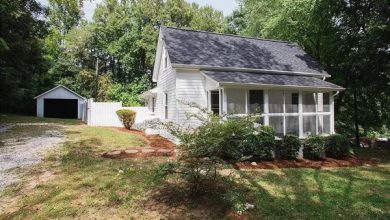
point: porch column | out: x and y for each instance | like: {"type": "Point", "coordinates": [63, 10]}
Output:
{"type": "Point", "coordinates": [331, 102]}
{"type": "Point", "coordinates": [266, 111]}
{"type": "Point", "coordinates": [300, 117]}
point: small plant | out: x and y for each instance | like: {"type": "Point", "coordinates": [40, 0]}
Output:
{"type": "Point", "coordinates": [289, 147]}
{"type": "Point", "coordinates": [314, 147]}
{"type": "Point", "coordinates": [127, 117]}
{"type": "Point", "coordinates": [236, 200]}
{"type": "Point", "coordinates": [337, 146]}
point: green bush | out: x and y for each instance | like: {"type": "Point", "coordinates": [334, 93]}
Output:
{"type": "Point", "coordinates": [289, 147]}
{"type": "Point", "coordinates": [266, 143]}
{"type": "Point", "coordinates": [314, 147]}
{"type": "Point", "coordinates": [127, 117]}
{"type": "Point", "coordinates": [337, 146]}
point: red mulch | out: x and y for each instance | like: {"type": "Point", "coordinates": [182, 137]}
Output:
{"type": "Point", "coordinates": [304, 163]}
{"type": "Point", "coordinates": [155, 141]}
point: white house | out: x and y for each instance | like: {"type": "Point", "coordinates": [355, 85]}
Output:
{"type": "Point", "coordinates": [60, 102]}
{"type": "Point", "coordinates": [239, 75]}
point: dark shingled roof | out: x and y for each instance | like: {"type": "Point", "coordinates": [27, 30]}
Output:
{"type": "Point", "coordinates": [220, 50]}
{"type": "Point", "coordinates": [270, 79]}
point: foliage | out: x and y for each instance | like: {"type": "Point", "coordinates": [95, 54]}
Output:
{"type": "Point", "coordinates": [289, 147]}
{"type": "Point", "coordinates": [22, 66]}
{"type": "Point", "coordinates": [236, 199]}
{"type": "Point", "coordinates": [205, 149]}
{"type": "Point", "coordinates": [259, 143]}
{"type": "Point", "coordinates": [314, 147]}
{"type": "Point", "coordinates": [127, 117]}
{"type": "Point", "coordinates": [128, 94]}
{"type": "Point", "coordinates": [337, 146]}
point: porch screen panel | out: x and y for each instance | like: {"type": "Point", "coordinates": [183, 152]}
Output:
{"type": "Point", "coordinates": [256, 101]}
{"type": "Point", "coordinates": [292, 101]}
{"type": "Point", "coordinates": [324, 124]}
{"type": "Point", "coordinates": [309, 125]}
{"type": "Point", "coordinates": [323, 102]}
{"type": "Point", "coordinates": [235, 99]}
{"type": "Point", "coordinates": [275, 101]}
{"type": "Point", "coordinates": [309, 101]}
{"type": "Point", "coordinates": [292, 125]}
{"type": "Point", "coordinates": [277, 123]}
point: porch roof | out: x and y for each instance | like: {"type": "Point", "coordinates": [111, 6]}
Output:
{"type": "Point", "coordinates": [270, 80]}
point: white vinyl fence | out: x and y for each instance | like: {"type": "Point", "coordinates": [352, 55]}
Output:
{"type": "Point", "coordinates": [104, 113]}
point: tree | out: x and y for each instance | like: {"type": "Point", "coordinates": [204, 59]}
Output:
{"type": "Point", "coordinates": [22, 67]}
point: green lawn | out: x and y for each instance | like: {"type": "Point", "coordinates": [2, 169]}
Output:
{"type": "Point", "coordinates": [76, 182]}
{"type": "Point", "coordinates": [11, 118]}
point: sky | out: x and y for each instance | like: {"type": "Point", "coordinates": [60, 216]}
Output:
{"type": "Point", "coordinates": [226, 6]}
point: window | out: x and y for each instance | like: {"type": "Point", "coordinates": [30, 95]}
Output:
{"type": "Point", "coordinates": [275, 101]}
{"type": "Point", "coordinates": [309, 102]}
{"type": "Point", "coordinates": [214, 96]}
{"type": "Point", "coordinates": [166, 105]}
{"type": "Point", "coordinates": [292, 125]}
{"type": "Point", "coordinates": [323, 102]}
{"type": "Point", "coordinates": [309, 125]}
{"type": "Point", "coordinates": [256, 101]}
{"type": "Point", "coordinates": [324, 124]}
{"type": "Point", "coordinates": [235, 101]}
{"type": "Point", "coordinates": [166, 61]}
{"type": "Point", "coordinates": [277, 123]}
{"type": "Point", "coordinates": [292, 101]}
{"type": "Point", "coordinates": [153, 104]}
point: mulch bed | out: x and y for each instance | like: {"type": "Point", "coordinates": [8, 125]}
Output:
{"type": "Point", "coordinates": [304, 163]}
{"type": "Point", "coordinates": [156, 146]}
{"type": "Point", "coordinates": [155, 141]}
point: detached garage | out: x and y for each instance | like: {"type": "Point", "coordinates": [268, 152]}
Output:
{"type": "Point", "coordinates": [60, 102]}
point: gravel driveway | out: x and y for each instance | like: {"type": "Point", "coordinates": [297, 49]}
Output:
{"type": "Point", "coordinates": [18, 150]}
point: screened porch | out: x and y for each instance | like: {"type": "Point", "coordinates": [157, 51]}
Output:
{"type": "Point", "coordinates": [297, 112]}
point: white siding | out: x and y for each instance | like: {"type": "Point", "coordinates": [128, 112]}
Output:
{"type": "Point", "coordinates": [59, 93]}
{"type": "Point", "coordinates": [190, 87]}
{"type": "Point", "coordinates": [166, 85]}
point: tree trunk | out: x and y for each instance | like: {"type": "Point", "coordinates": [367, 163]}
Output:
{"type": "Point", "coordinates": [357, 137]}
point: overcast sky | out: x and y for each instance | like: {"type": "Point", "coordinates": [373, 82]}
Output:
{"type": "Point", "coordinates": [226, 6]}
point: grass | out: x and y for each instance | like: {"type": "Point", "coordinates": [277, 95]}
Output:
{"type": "Point", "coordinates": [343, 193]}
{"type": "Point", "coordinates": [104, 139]}
{"type": "Point", "coordinates": [81, 184]}
{"type": "Point", "coordinates": [12, 118]}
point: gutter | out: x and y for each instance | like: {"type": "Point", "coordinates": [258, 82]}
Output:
{"type": "Point", "coordinates": [239, 69]}
{"type": "Point", "coordinates": [233, 84]}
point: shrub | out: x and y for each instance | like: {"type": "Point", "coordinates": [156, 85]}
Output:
{"type": "Point", "coordinates": [314, 147]}
{"type": "Point", "coordinates": [127, 117]}
{"type": "Point", "coordinates": [289, 147]}
{"type": "Point", "coordinates": [205, 149]}
{"type": "Point", "coordinates": [265, 143]}
{"type": "Point", "coordinates": [337, 146]}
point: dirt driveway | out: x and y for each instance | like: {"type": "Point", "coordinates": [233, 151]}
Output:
{"type": "Point", "coordinates": [23, 145]}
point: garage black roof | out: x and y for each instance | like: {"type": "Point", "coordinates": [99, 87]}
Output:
{"type": "Point", "coordinates": [270, 79]}
{"type": "Point", "coordinates": [221, 50]}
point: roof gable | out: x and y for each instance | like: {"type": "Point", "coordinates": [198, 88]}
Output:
{"type": "Point", "coordinates": [57, 87]}
{"type": "Point", "coordinates": [219, 50]}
